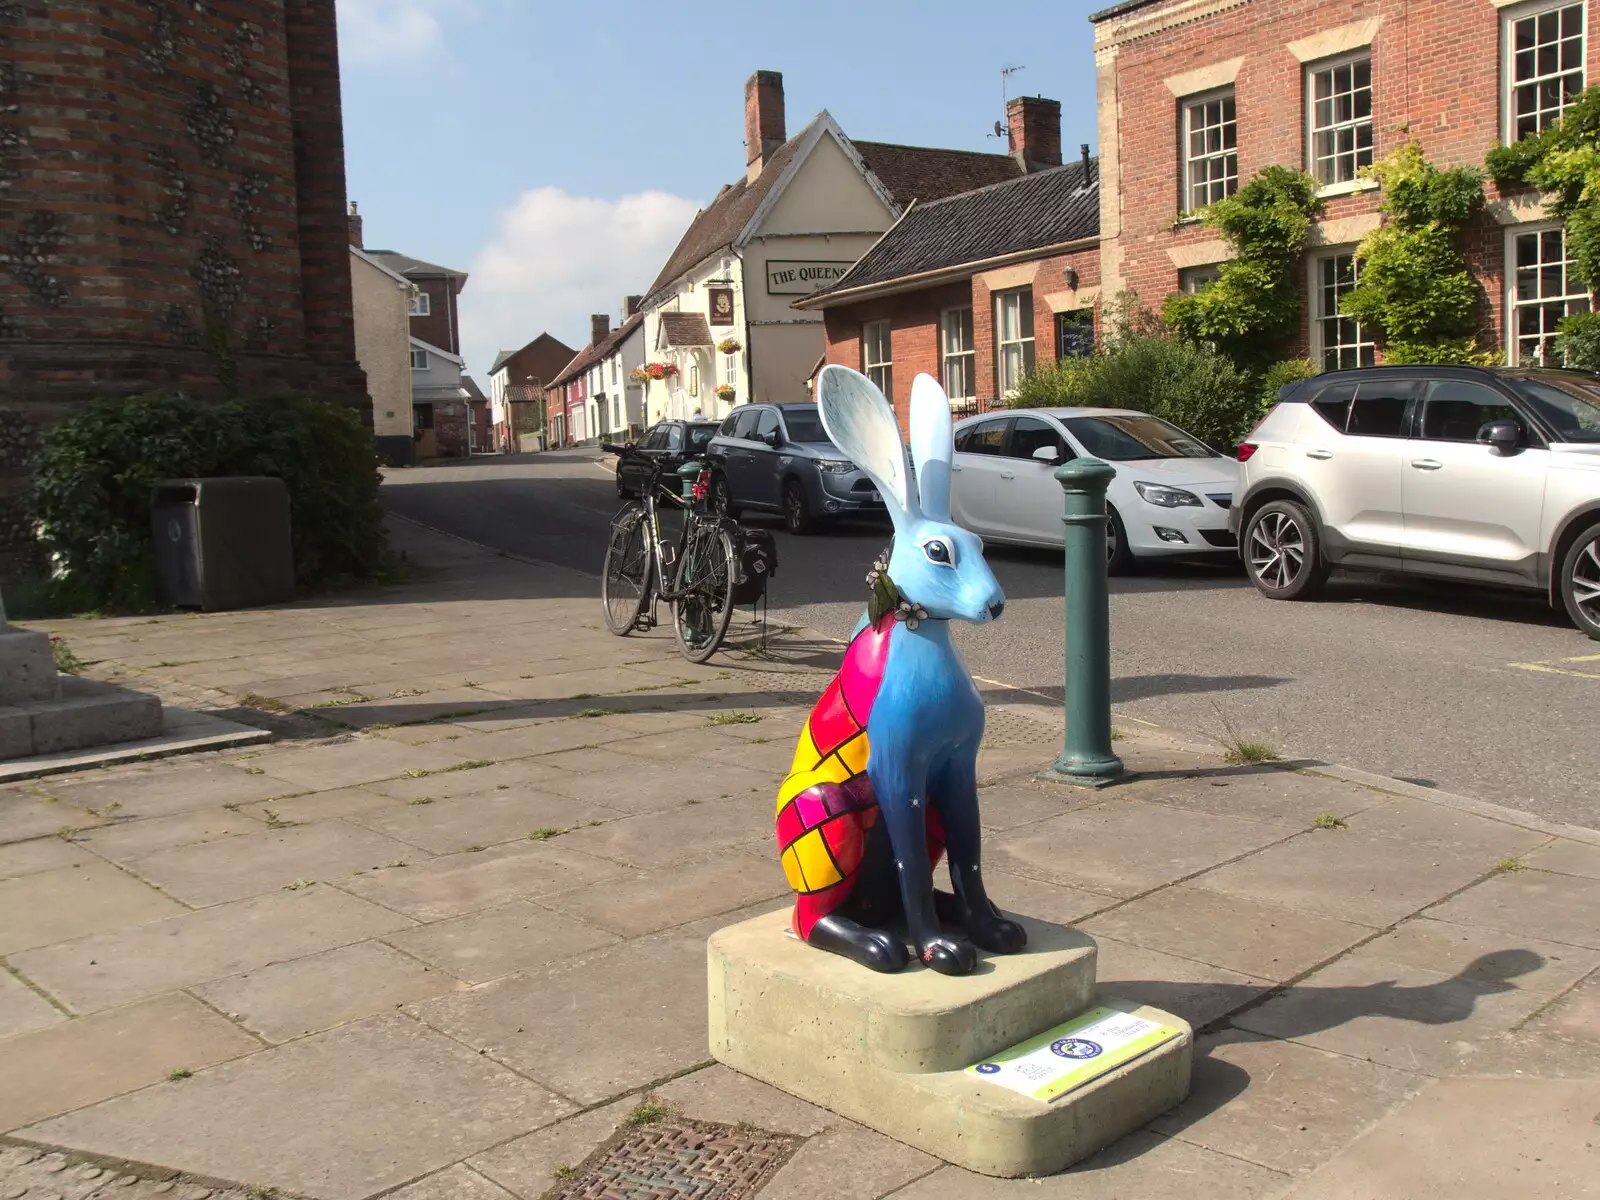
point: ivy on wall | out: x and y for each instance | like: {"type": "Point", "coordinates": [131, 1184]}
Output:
{"type": "Point", "coordinates": [1414, 291]}
{"type": "Point", "coordinates": [1253, 307]}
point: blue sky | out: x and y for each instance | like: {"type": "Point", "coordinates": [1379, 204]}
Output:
{"type": "Point", "coordinates": [558, 151]}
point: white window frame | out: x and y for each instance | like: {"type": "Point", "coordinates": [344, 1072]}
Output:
{"type": "Point", "coordinates": [419, 359]}
{"type": "Point", "coordinates": [1513, 306]}
{"type": "Point", "coordinates": [1325, 66]}
{"type": "Point", "coordinates": [967, 355]}
{"type": "Point", "coordinates": [1319, 346]}
{"type": "Point", "coordinates": [1186, 110]}
{"type": "Point", "coordinates": [1192, 279]}
{"type": "Point", "coordinates": [1026, 354]}
{"type": "Point", "coordinates": [730, 368]}
{"type": "Point", "coordinates": [420, 305]}
{"type": "Point", "coordinates": [879, 370]}
{"type": "Point", "coordinates": [1508, 20]}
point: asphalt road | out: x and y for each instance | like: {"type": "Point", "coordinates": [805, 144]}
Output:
{"type": "Point", "coordinates": [1487, 694]}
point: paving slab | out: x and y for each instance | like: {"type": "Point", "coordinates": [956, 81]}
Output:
{"type": "Point", "coordinates": [450, 885]}
{"type": "Point", "coordinates": [52, 906]}
{"type": "Point", "coordinates": [1420, 823]}
{"type": "Point", "coordinates": [1276, 795]}
{"type": "Point", "coordinates": [319, 806]}
{"type": "Point", "coordinates": [1540, 1142]}
{"type": "Point", "coordinates": [445, 826]}
{"type": "Point", "coordinates": [40, 854]}
{"type": "Point", "coordinates": [269, 860]}
{"type": "Point", "coordinates": [1559, 908]}
{"type": "Point", "coordinates": [1007, 806]}
{"type": "Point", "coordinates": [1280, 1104]}
{"type": "Point", "coordinates": [687, 832]}
{"type": "Point", "coordinates": [1348, 876]}
{"type": "Point", "coordinates": [24, 816]}
{"type": "Point", "coordinates": [1242, 935]}
{"type": "Point", "coordinates": [285, 1000]}
{"type": "Point", "coordinates": [1126, 847]}
{"type": "Point", "coordinates": [1484, 955]}
{"type": "Point", "coordinates": [1142, 1166]}
{"type": "Point", "coordinates": [1398, 1015]}
{"type": "Point", "coordinates": [646, 785]}
{"type": "Point", "coordinates": [69, 1065]}
{"type": "Point", "coordinates": [1053, 902]}
{"type": "Point", "coordinates": [848, 1162]}
{"type": "Point", "coordinates": [1563, 1040]}
{"type": "Point", "coordinates": [588, 761]}
{"type": "Point", "coordinates": [501, 941]}
{"type": "Point", "coordinates": [166, 788]}
{"type": "Point", "coordinates": [23, 1009]}
{"type": "Point", "coordinates": [122, 841]}
{"type": "Point", "coordinates": [1198, 992]}
{"type": "Point", "coordinates": [365, 1107]}
{"type": "Point", "coordinates": [348, 763]}
{"type": "Point", "coordinates": [651, 900]}
{"type": "Point", "coordinates": [527, 1166]}
{"type": "Point", "coordinates": [459, 1182]}
{"type": "Point", "coordinates": [516, 775]}
{"type": "Point", "coordinates": [106, 969]}
{"type": "Point", "coordinates": [725, 1097]}
{"type": "Point", "coordinates": [1565, 857]}
{"type": "Point", "coordinates": [594, 1027]}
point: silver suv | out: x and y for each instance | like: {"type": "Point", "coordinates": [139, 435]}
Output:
{"type": "Point", "coordinates": [1476, 474]}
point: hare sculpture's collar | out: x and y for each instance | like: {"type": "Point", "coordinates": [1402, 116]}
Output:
{"type": "Point", "coordinates": [886, 597]}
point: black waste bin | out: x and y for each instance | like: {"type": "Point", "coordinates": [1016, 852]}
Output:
{"type": "Point", "coordinates": [222, 543]}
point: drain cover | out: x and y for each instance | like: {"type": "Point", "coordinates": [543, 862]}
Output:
{"type": "Point", "coordinates": [679, 1159]}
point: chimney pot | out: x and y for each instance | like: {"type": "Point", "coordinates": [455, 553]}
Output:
{"type": "Point", "coordinates": [1084, 151]}
{"type": "Point", "coordinates": [1035, 126]}
{"type": "Point", "coordinates": [354, 220]}
{"type": "Point", "coordinates": [599, 328]}
{"type": "Point", "coordinates": [630, 305]}
{"type": "Point", "coordinates": [764, 128]}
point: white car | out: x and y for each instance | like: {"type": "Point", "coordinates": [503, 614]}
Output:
{"type": "Point", "coordinates": [1170, 497]}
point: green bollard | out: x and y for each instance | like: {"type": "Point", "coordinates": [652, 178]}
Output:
{"type": "Point", "coordinates": [1086, 757]}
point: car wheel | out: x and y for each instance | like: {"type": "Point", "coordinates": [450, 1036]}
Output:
{"type": "Point", "coordinates": [797, 516]}
{"type": "Point", "coordinates": [1580, 581]}
{"type": "Point", "coordinates": [722, 499]}
{"type": "Point", "coordinates": [1283, 552]}
{"type": "Point", "coordinates": [1119, 557]}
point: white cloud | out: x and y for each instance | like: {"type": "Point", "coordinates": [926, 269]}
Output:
{"type": "Point", "coordinates": [556, 258]}
{"type": "Point", "coordinates": [389, 31]}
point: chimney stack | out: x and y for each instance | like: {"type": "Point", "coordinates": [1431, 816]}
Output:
{"type": "Point", "coordinates": [763, 121]}
{"type": "Point", "coordinates": [630, 305]}
{"type": "Point", "coordinates": [355, 227]}
{"type": "Point", "coordinates": [1035, 132]}
{"type": "Point", "coordinates": [599, 328]}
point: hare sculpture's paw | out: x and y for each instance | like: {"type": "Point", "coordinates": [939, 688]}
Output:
{"type": "Point", "coordinates": [875, 949]}
{"type": "Point", "coordinates": [949, 956]}
{"type": "Point", "coordinates": [997, 935]}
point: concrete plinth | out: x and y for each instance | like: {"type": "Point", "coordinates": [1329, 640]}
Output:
{"type": "Point", "coordinates": [890, 1051]}
{"type": "Point", "coordinates": [27, 666]}
{"type": "Point", "coordinates": [84, 713]}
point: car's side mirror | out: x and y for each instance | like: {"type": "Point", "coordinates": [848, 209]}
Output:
{"type": "Point", "coordinates": [773, 439]}
{"type": "Point", "coordinates": [1047, 454]}
{"type": "Point", "coordinates": [1501, 436]}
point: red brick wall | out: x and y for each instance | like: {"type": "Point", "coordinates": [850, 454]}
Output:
{"type": "Point", "coordinates": [1436, 77]}
{"type": "Point", "coordinates": [441, 327]}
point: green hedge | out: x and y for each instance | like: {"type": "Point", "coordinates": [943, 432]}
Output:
{"type": "Point", "coordinates": [90, 494]}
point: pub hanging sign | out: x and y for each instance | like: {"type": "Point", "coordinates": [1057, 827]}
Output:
{"type": "Point", "coordinates": [790, 277]}
{"type": "Point", "coordinates": [721, 306]}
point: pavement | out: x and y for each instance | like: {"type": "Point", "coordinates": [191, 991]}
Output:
{"type": "Point", "coordinates": [1483, 693]}
{"type": "Point", "coordinates": [444, 939]}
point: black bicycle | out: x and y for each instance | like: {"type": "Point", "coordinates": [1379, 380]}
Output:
{"type": "Point", "coordinates": [701, 560]}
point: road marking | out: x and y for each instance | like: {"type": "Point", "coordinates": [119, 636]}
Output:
{"type": "Point", "coordinates": [1550, 667]}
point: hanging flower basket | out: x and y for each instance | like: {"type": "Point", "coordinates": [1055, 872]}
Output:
{"type": "Point", "coordinates": [654, 370]}
{"type": "Point", "coordinates": [729, 346]}
{"type": "Point", "coordinates": [726, 391]}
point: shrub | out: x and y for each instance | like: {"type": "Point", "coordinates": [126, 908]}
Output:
{"type": "Point", "coordinates": [90, 493]}
{"type": "Point", "coordinates": [1564, 163]}
{"type": "Point", "coordinates": [1579, 341]}
{"type": "Point", "coordinates": [1290, 370]}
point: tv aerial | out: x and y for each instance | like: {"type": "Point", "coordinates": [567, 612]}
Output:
{"type": "Point", "coordinates": [1000, 128]}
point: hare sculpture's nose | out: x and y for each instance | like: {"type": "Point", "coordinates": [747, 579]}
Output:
{"type": "Point", "coordinates": [996, 609]}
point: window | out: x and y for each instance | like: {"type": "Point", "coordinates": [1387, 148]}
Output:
{"type": "Point", "coordinates": [985, 437]}
{"type": "Point", "coordinates": [1013, 325]}
{"type": "Point", "coordinates": [1333, 404]}
{"type": "Point", "coordinates": [1075, 333]}
{"type": "Point", "coordinates": [419, 304]}
{"type": "Point", "coordinates": [1379, 410]}
{"type": "Point", "coordinates": [747, 423]}
{"type": "Point", "coordinates": [1542, 65]}
{"type": "Point", "coordinates": [1454, 410]}
{"type": "Point", "coordinates": [876, 361]}
{"type": "Point", "coordinates": [1570, 404]}
{"type": "Point", "coordinates": [1030, 434]}
{"type": "Point", "coordinates": [730, 368]}
{"type": "Point", "coordinates": [1130, 438]}
{"type": "Point", "coordinates": [419, 359]}
{"type": "Point", "coordinates": [1192, 279]}
{"type": "Point", "coordinates": [804, 425]}
{"type": "Point", "coordinates": [1544, 289]}
{"type": "Point", "coordinates": [422, 416]}
{"type": "Point", "coordinates": [766, 425]}
{"type": "Point", "coordinates": [955, 349]}
{"type": "Point", "coordinates": [1340, 105]}
{"type": "Point", "coordinates": [674, 438]}
{"type": "Point", "coordinates": [616, 412]}
{"type": "Point", "coordinates": [1211, 150]}
{"type": "Point", "coordinates": [1338, 342]}
{"type": "Point", "coordinates": [655, 439]}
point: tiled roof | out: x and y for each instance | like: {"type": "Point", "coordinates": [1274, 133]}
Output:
{"type": "Point", "coordinates": [924, 173]}
{"type": "Point", "coordinates": [504, 356]}
{"type": "Point", "coordinates": [474, 392]}
{"type": "Point", "coordinates": [686, 329]}
{"type": "Point", "coordinates": [407, 265]}
{"type": "Point", "coordinates": [595, 351]}
{"type": "Point", "coordinates": [1029, 213]}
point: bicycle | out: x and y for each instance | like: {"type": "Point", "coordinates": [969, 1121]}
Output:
{"type": "Point", "coordinates": [638, 558]}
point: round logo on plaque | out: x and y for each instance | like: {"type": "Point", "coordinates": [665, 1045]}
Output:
{"type": "Point", "coordinates": [988, 1069]}
{"type": "Point", "coordinates": [175, 531]}
{"type": "Point", "coordinates": [1075, 1048]}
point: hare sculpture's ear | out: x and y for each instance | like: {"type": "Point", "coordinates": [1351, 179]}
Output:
{"type": "Point", "coordinates": [861, 423]}
{"type": "Point", "coordinates": [932, 444]}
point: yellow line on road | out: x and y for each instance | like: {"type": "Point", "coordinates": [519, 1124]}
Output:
{"type": "Point", "coordinates": [1548, 669]}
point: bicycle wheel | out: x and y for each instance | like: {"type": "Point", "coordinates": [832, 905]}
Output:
{"type": "Point", "coordinates": [625, 582]}
{"type": "Point", "coordinates": [701, 614]}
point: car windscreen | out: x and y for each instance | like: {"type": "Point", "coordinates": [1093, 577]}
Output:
{"type": "Point", "coordinates": [804, 425]}
{"type": "Point", "coordinates": [700, 436]}
{"type": "Point", "coordinates": [1126, 437]}
{"type": "Point", "coordinates": [1569, 404]}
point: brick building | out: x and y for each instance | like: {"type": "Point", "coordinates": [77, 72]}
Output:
{"type": "Point", "coordinates": [517, 389]}
{"type": "Point", "coordinates": [172, 203]}
{"type": "Point", "coordinates": [1197, 95]}
{"type": "Point", "coordinates": [978, 288]}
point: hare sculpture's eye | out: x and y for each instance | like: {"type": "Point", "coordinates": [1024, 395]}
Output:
{"type": "Point", "coordinates": [939, 551]}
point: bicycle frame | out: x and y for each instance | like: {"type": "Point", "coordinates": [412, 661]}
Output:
{"type": "Point", "coordinates": [658, 587]}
